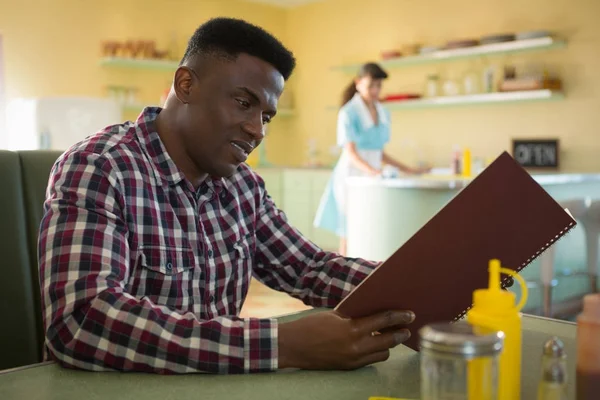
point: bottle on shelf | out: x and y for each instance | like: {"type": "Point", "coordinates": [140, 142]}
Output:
{"type": "Point", "coordinates": [456, 161]}
{"type": "Point", "coordinates": [432, 86]}
{"type": "Point", "coordinates": [466, 163]}
{"type": "Point", "coordinates": [471, 81]}
{"type": "Point", "coordinates": [588, 349]}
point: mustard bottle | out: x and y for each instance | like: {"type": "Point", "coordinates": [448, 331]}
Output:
{"type": "Point", "coordinates": [494, 308]}
{"type": "Point", "coordinates": [466, 163]}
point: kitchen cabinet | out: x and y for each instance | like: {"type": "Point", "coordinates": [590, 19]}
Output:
{"type": "Point", "coordinates": [297, 192]}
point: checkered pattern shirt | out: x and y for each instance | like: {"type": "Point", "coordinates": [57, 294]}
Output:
{"type": "Point", "coordinates": [140, 271]}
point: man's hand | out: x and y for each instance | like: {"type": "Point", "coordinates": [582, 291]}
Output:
{"type": "Point", "coordinates": [329, 341]}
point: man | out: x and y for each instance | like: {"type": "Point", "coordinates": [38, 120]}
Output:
{"type": "Point", "coordinates": [153, 229]}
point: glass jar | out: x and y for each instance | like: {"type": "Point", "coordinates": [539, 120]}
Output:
{"type": "Point", "coordinates": [459, 361]}
{"type": "Point", "coordinates": [432, 86]}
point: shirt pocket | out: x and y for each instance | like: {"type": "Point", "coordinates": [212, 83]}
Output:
{"type": "Point", "coordinates": [237, 273]}
{"type": "Point", "coordinates": [166, 260]}
{"type": "Point", "coordinates": [165, 276]}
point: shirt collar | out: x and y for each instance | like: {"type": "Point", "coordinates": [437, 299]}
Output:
{"type": "Point", "coordinates": [164, 166]}
{"type": "Point", "coordinates": [364, 114]}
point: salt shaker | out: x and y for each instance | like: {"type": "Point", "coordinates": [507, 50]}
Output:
{"type": "Point", "coordinates": [553, 380]}
{"type": "Point", "coordinates": [459, 361]}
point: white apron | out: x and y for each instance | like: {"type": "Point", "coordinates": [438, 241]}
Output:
{"type": "Point", "coordinates": [345, 169]}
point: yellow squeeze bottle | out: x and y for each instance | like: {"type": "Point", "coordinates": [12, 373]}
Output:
{"type": "Point", "coordinates": [494, 308]}
{"type": "Point", "coordinates": [466, 163]}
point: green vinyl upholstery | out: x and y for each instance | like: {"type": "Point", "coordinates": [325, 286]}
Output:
{"type": "Point", "coordinates": [23, 181]}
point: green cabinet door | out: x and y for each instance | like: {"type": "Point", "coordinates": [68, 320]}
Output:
{"type": "Point", "coordinates": [296, 199]}
{"type": "Point", "coordinates": [273, 178]}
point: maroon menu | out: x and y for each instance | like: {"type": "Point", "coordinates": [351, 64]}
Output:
{"type": "Point", "coordinates": [503, 213]}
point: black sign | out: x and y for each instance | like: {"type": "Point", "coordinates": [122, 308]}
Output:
{"type": "Point", "coordinates": [542, 153]}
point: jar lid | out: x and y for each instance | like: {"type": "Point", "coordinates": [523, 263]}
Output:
{"type": "Point", "coordinates": [461, 338]}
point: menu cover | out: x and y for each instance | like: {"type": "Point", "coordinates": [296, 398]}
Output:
{"type": "Point", "coordinates": [502, 213]}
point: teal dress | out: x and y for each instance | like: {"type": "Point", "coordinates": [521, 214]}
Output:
{"type": "Point", "coordinates": [355, 124]}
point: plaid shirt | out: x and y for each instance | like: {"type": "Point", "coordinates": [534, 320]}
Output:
{"type": "Point", "coordinates": [140, 271]}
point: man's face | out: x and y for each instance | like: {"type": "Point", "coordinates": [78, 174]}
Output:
{"type": "Point", "coordinates": [227, 106]}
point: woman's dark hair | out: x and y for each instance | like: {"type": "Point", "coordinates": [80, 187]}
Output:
{"type": "Point", "coordinates": [372, 70]}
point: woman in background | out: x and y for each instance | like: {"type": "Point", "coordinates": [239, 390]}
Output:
{"type": "Point", "coordinates": [363, 129]}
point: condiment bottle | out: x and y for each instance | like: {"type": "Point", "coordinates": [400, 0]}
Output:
{"type": "Point", "coordinates": [588, 349]}
{"type": "Point", "coordinates": [495, 309]}
{"type": "Point", "coordinates": [466, 163]}
{"type": "Point", "coordinates": [553, 380]}
{"type": "Point", "coordinates": [456, 161]}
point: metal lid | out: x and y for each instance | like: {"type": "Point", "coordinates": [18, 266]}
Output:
{"type": "Point", "coordinates": [461, 338]}
{"type": "Point", "coordinates": [554, 347]}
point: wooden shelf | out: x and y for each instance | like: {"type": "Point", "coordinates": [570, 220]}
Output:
{"type": "Point", "coordinates": [119, 62]}
{"type": "Point", "coordinates": [516, 46]}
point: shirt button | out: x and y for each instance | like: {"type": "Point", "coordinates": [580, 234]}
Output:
{"type": "Point", "coordinates": [169, 266]}
{"type": "Point", "coordinates": [210, 253]}
{"type": "Point", "coordinates": [211, 298]}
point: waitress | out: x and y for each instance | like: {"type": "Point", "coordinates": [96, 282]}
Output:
{"type": "Point", "coordinates": [363, 129]}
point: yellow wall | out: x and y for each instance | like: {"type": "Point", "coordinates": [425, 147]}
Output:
{"type": "Point", "coordinates": [339, 31]}
{"type": "Point", "coordinates": [52, 47]}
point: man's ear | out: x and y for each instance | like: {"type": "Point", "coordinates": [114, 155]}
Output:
{"type": "Point", "coordinates": [182, 84]}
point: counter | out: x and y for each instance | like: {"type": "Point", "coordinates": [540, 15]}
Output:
{"type": "Point", "coordinates": [385, 213]}
{"type": "Point", "coordinates": [397, 377]}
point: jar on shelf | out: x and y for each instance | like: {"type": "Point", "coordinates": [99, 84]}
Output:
{"type": "Point", "coordinates": [432, 86]}
{"type": "Point", "coordinates": [451, 87]}
{"type": "Point", "coordinates": [471, 81]}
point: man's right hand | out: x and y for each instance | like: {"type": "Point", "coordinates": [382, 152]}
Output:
{"type": "Point", "coordinates": [329, 341]}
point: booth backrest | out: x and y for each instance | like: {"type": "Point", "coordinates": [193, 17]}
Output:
{"type": "Point", "coordinates": [23, 182]}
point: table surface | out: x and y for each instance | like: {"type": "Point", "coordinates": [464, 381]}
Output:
{"type": "Point", "coordinates": [397, 377]}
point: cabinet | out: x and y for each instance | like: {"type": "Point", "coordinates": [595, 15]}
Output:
{"type": "Point", "coordinates": [297, 192]}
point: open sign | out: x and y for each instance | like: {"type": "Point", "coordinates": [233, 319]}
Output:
{"type": "Point", "coordinates": [536, 153]}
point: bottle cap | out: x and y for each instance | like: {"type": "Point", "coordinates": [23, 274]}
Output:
{"type": "Point", "coordinates": [554, 347]}
{"type": "Point", "coordinates": [591, 305]}
{"type": "Point", "coordinates": [496, 299]}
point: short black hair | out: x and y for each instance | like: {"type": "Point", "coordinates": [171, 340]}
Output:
{"type": "Point", "coordinates": [230, 37]}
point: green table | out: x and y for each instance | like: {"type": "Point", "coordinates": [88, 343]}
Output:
{"type": "Point", "coordinates": [398, 377]}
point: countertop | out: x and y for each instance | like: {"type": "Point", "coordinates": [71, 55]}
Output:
{"type": "Point", "coordinates": [397, 377]}
{"type": "Point", "coordinates": [457, 182]}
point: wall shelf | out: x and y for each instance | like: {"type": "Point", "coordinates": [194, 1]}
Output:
{"type": "Point", "coordinates": [516, 46]}
{"type": "Point", "coordinates": [120, 62]}
{"type": "Point", "coordinates": [473, 99]}
{"type": "Point", "coordinates": [483, 98]}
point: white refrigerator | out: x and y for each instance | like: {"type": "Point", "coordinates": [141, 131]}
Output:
{"type": "Point", "coordinates": [56, 123]}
